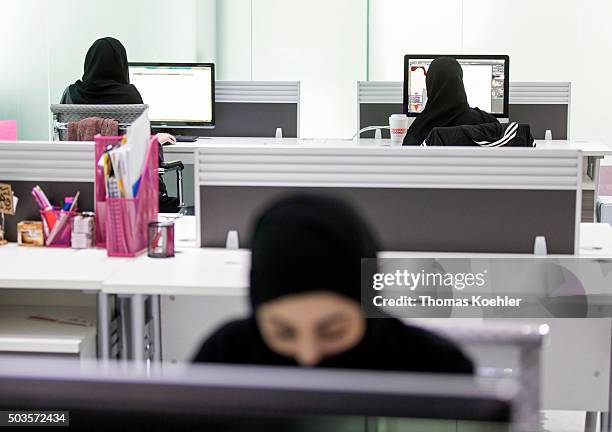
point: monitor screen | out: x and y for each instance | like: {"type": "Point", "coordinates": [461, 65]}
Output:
{"type": "Point", "coordinates": [485, 79]}
{"type": "Point", "coordinates": [178, 94]}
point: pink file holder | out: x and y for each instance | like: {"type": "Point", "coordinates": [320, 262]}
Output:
{"type": "Point", "coordinates": [63, 237]}
{"type": "Point", "coordinates": [126, 219]}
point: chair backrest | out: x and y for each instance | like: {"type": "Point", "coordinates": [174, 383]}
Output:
{"type": "Point", "coordinates": [64, 114]}
{"type": "Point", "coordinates": [544, 106]}
{"type": "Point", "coordinates": [60, 169]}
{"type": "Point", "coordinates": [416, 199]}
{"type": "Point", "coordinates": [253, 109]}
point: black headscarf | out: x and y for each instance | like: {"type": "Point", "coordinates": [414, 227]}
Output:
{"type": "Point", "coordinates": [320, 239]}
{"type": "Point", "coordinates": [447, 103]}
{"type": "Point", "coordinates": [106, 78]}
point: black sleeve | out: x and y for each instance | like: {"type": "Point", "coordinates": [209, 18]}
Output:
{"type": "Point", "coordinates": [225, 345]}
{"type": "Point", "coordinates": [211, 351]}
{"type": "Point", "coordinates": [66, 99]}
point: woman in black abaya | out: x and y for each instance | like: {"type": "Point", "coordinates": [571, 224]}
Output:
{"type": "Point", "coordinates": [305, 295]}
{"type": "Point", "coordinates": [447, 103]}
{"type": "Point", "coordinates": [106, 80]}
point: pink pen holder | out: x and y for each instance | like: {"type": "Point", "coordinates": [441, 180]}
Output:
{"type": "Point", "coordinates": [121, 223]}
{"type": "Point", "coordinates": [62, 238]}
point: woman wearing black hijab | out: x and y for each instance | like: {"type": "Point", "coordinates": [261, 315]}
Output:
{"type": "Point", "coordinates": [305, 294]}
{"type": "Point", "coordinates": [447, 103]}
{"type": "Point", "coordinates": [106, 79]}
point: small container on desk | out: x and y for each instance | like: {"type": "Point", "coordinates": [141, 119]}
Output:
{"type": "Point", "coordinates": [161, 240]}
{"type": "Point", "coordinates": [62, 238]}
{"type": "Point", "coordinates": [127, 219]}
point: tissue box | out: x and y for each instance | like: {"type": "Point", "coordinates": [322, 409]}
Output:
{"type": "Point", "coordinates": [604, 209]}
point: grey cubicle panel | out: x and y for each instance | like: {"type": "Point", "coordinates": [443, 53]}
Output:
{"type": "Point", "coordinates": [61, 169]}
{"type": "Point", "coordinates": [544, 106]}
{"type": "Point", "coordinates": [254, 109]}
{"type": "Point", "coordinates": [416, 199]}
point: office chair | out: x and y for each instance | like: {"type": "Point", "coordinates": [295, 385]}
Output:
{"type": "Point", "coordinates": [125, 116]}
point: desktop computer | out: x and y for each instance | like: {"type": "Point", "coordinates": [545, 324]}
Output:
{"type": "Point", "coordinates": [486, 80]}
{"type": "Point", "coordinates": [179, 95]}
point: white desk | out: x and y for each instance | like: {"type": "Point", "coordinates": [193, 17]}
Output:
{"type": "Point", "coordinates": [185, 151]}
{"type": "Point", "coordinates": [593, 152]}
{"type": "Point", "coordinates": [61, 270]}
{"type": "Point", "coordinates": [19, 333]}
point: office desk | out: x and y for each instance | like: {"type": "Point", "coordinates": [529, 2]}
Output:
{"type": "Point", "coordinates": [61, 270]}
{"type": "Point", "coordinates": [593, 152]}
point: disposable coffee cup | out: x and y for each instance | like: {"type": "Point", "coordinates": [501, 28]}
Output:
{"type": "Point", "coordinates": [398, 124]}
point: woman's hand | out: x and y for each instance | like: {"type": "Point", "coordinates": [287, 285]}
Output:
{"type": "Point", "coordinates": [166, 139]}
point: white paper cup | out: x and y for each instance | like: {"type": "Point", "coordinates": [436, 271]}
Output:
{"type": "Point", "coordinates": [398, 124]}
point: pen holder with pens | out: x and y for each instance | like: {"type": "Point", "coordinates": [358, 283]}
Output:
{"type": "Point", "coordinates": [62, 237]}
{"type": "Point", "coordinates": [127, 219]}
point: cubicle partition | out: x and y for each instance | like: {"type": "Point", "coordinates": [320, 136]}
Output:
{"type": "Point", "coordinates": [544, 106]}
{"type": "Point", "coordinates": [253, 109]}
{"type": "Point", "coordinates": [243, 109]}
{"type": "Point", "coordinates": [60, 169]}
{"type": "Point", "coordinates": [416, 199]}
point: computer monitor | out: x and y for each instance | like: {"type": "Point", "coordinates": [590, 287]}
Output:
{"type": "Point", "coordinates": [216, 397]}
{"type": "Point", "coordinates": [486, 79]}
{"type": "Point", "coordinates": [179, 95]}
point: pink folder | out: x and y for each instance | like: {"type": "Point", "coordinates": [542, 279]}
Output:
{"type": "Point", "coordinates": [8, 130]}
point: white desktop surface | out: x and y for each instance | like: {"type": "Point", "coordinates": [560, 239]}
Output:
{"type": "Point", "coordinates": [589, 148]}
{"type": "Point", "coordinates": [194, 271]}
{"type": "Point", "coordinates": [53, 268]}
{"type": "Point", "coordinates": [222, 272]}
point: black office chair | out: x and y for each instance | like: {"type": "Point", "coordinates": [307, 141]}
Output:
{"type": "Point", "coordinates": [177, 204]}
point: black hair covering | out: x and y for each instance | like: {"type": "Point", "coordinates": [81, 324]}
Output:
{"type": "Point", "coordinates": [447, 103]}
{"type": "Point", "coordinates": [106, 78]}
{"type": "Point", "coordinates": [308, 243]}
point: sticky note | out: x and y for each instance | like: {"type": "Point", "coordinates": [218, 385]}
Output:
{"type": "Point", "coordinates": [8, 130]}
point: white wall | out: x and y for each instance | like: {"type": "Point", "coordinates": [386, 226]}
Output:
{"type": "Point", "coordinates": [547, 40]}
{"type": "Point", "coordinates": [399, 27]}
{"type": "Point", "coordinates": [321, 43]}
{"type": "Point", "coordinates": [24, 67]}
{"type": "Point", "coordinates": [234, 40]}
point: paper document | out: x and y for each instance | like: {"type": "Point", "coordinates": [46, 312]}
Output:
{"type": "Point", "coordinates": [138, 140]}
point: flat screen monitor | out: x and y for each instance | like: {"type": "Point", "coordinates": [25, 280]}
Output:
{"type": "Point", "coordinates": [179, 95]}
{"type": "Point", "coordinates": [486, 80]}
{"type": "Point", "coordinates": [114, 396]}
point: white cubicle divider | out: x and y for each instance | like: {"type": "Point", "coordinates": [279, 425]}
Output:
{"type": "Point", "coordinates": [60, 168]}
{"type": "Point", "coordinates": [543, 105]}
{"type": "Point", "coordinates": [416, 199]}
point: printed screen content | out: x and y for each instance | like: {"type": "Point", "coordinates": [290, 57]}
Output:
{"type": "Point", "coordinates": [176, 94]}
{"type": "Point", "coordinates": [484, 82]}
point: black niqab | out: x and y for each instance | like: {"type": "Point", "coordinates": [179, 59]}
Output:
{"type": "Point", "coordinates": [106, 78]}
{"type": "Point", "coordinates": [447, 102]}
